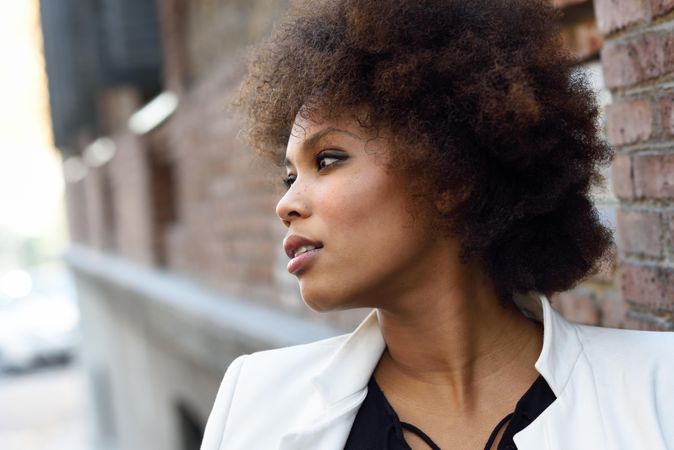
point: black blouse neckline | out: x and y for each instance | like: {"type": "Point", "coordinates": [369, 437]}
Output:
{"type": "Point", "coordinates": [377, 425]}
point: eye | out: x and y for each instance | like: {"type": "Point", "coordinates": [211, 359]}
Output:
{"type": "Point", "coordinates": [288, 181]}
{"type": "Point", "coordinates": [322, 157]}
{"type": "Point", "coordinates": [323, 160]}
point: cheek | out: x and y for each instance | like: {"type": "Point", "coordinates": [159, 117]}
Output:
{"type": "Point", "coordinates": [365, 213]}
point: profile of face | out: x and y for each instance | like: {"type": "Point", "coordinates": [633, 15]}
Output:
{"type": "Point", "coordinates": [342, 197]}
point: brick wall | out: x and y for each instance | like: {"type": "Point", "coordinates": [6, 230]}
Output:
{"type": "Point", "coordinates": [638, 61]}
{"type": "Point", "coordinates": [579, 28]}
{"type": "Point", "coordinates": [217, 223]}
{"type": "Point", "coordinates": [213, 30]}
{"type": "Point", "coordinates": [597, 300]}
{"type": "Point", "coordinates": [76, 212]}
{"type": "Point", "coordinates": [225, 233]}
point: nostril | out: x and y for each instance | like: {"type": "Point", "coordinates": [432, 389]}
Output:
{"type": "Point", "coordinates": [292, 214]}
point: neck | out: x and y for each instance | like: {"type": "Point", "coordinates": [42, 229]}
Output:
{"type": "Point", "coordinates": [461, 345]}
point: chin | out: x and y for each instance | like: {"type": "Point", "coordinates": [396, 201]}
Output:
{"type": "Point", "coordinates": [318, 304]}
{"type": "Point", "coordinates": [320, 299]}
{"type": "Point", "coordinates": [326, 300]}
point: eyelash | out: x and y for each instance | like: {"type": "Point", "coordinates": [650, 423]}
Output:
{"type": "Point", "coordinates": [288, 181]}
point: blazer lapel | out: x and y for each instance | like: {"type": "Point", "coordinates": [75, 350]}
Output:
{"type": "Point", "coordinates": [331, 429]}
{"type": "Point", "coordinates": [565, 424]}
{"type": "Point", "coordinates": [342, 386]}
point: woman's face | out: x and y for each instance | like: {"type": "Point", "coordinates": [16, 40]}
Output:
{"type": "Point", "coordinates": [342, 197]}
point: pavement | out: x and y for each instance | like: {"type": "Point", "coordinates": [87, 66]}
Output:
{"type": "Point", "coordinates": [44, 409]}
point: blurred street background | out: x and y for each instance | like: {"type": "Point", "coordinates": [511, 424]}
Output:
{"type": "Point", "coordinates": [139, 248]}
{"type": "Point", "coordinates": [44, 409]}
{"type": "Point", "coordinates": [43, 397]}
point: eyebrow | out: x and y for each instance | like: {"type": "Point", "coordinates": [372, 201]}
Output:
{"type": "Point", "coordinates": [314, 138]}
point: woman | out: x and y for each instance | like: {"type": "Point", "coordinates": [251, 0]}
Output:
{"type": "Point", "coordinates": [439, 156]}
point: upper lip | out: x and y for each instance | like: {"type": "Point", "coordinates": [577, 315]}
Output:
{"type": "Point", "coordinates": [294, 241]}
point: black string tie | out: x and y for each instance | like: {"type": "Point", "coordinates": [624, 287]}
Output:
{"type": "Point", "coordinates": [495, 432]}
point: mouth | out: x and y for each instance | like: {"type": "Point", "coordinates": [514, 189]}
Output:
{"type": "Point", "coordinates": [305, 248]}
{"type": "Point", "coordinates": [295, 245]}
{"type": "Point", "coordinates": [301, 251]}
{"type": "Point", "coordinates": [302, 258]}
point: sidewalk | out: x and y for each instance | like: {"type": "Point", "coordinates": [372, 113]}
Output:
{"type": "Point", "coordinates": [44, 410]}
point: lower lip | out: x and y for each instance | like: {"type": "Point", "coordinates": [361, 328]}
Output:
{"type": "Point", "coordinates": [301, 261]}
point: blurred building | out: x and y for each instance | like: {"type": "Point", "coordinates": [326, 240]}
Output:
{"type": "Point", "coordinates": [175, 244]}
{"type": "Point", "coordinates": [32, 224]}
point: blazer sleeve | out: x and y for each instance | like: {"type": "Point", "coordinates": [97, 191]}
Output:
{"type": "Point", "coordinates": [217, 420]}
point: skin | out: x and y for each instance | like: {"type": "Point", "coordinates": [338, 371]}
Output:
{"type": "Point", "coordinates": [456, 361]}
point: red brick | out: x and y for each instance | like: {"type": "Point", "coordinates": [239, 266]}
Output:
{"type": "Point", "coordinates": [75, 208]}
{"type": "Point", "coordinates": [654, 176]}
{"type": "Point", "coordinates": [229, 235]}
{"type": "Point", "coordinates": [621, 170]}
{"type": "Point", "coordinates": [171, 19]}
{"type": "Point", "coordinates": [644, 285]}
{"type": "Point", "coordinates": [583, 38]}
{"type": "Point", "coordinates": [669, 291]}
{"type": "Point", "coordinates": [563, 3]}
{"type": "Point", "coordinates": [608, 270]}
{"type": "Point", "coordinates": [132, 199]}
{"type": "Point", "coordinates": [578, 306]}
{"type": "Point", "coordinates": [98, 208]}
{"type": "Point", "coordinates": [637, 59]}
{"type": "Point", "coordinates": [669, 233]}
{"type": "Point", "coordinates": [615, 14]}
{"type": "Point", "coordinates": [640, 232]}
{"type": "Point", "coordinates": [116, 105]}
{"type": "Point", "coordinates": [667, 115]}
{"type": "Point", "coordinates": [660, 7]}
{"type": "Point", "coordinates": [628, 122]}
{"type": "Point", "coordinates": [613, 309]}
{"type": "Point", "coordinates": [647, 323]}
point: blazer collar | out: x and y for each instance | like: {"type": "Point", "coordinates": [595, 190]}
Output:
{"type": "Point", "coordinates": [350, 368]}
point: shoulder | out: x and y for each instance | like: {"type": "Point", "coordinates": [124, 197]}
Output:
{"type": "Point", "coordinates": [257, 373]}
{"type": "Point", "coordinates": [630, 351]}
{"type": "Point", "coordinates": [631, 343]}
{"type": "Point", "coordinates": [307, 357]}
{"type": "Point", "coordinates": [630, 376]}
{"type": "Point", "coordinates": [250, 380]}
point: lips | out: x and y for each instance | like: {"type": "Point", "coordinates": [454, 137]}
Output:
{"type": "Point", "coordinates": [294, 241]}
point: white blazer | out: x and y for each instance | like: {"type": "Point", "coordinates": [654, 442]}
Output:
{"type": "Point", "coordinates": [614, 389]}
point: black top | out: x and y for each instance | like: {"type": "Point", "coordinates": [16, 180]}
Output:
{"type": "Point", "coordinates": [377, 426]}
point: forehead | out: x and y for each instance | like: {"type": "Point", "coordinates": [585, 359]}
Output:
{"type": "Point", "coordinates": [308, 132]}
{"type": "Point", "coordinates": [352, 129]}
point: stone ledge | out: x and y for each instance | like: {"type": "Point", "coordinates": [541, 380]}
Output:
{"type": "Point", "coordinates": [204, 325]}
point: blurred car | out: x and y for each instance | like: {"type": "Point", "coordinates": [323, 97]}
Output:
{"type": "Point", "coordinates": [42, 327]}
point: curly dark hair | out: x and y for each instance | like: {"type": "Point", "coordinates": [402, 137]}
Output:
{"type": "Point", "coordinates": [484, 104]}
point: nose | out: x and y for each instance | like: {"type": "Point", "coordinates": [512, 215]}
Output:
{"type": "Point", "coordinates": [292, 205]}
